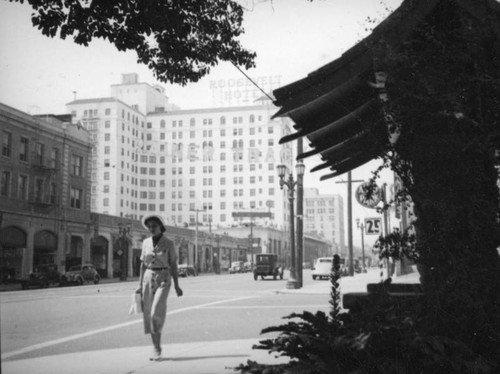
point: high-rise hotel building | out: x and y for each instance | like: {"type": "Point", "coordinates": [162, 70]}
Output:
{"type": "Point", "coordinates": [187, 165]}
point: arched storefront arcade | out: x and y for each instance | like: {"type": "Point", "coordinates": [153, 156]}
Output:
{"type": "Point", "coordinates": [99, 255]}
{"type": "Point", "coordinates": [13, 242]}
{"type": "Point", "coordinates": [44, 248]}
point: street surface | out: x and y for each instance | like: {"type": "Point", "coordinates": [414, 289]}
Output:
{"type": "Point", "coordinates": [41, 322]}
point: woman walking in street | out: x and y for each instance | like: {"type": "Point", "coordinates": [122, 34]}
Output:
{"type": "Point", "coordinates": [158, 269]}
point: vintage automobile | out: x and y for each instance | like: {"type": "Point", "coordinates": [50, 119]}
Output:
{"type": "Point", "coordinates": [267, 265]}
{"type": "Point", "coordinates": [43, 276]}
{"type": "Point", "coordinates": [247, 267]}
{"type": "Point", "coordinates": [322, 268]}
{"type": "Point", "coordinates": [236, 267]}
{"type": "Point", "coordinates": [184, 270]}
{"type": "Point", "coordinates": [81, 274]}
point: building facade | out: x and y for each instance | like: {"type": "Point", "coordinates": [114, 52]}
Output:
{"type": "Point", "coordinates": [324, 216]}
{"type": "Point", "coordinates": [44, 193]}
{"type": "Point", "coordinates": [190, 166]}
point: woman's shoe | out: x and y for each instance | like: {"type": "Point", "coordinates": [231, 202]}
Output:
{"type": "Point", "coordinates": [156, 356]}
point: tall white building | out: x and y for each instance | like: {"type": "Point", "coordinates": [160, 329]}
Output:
{"type": "Point", "coordinates": [324, 215]}
{"type": "Point", "coordinates": [187, 165]}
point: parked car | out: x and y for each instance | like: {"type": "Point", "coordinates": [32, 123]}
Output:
{"type": "Point", "coordinates": [184, 270]}
{"type": "Point", "coordinates": [43, 276]}
{"type": "Point", "coordinates": [247, 267]}
{"type": "Point", "coordinates": [236, 267]}
{"type": "Point", "coordinates": [322, 268]}
{"type": "Point", "coordinates": [267, 265]}
{"type": "Point", "coordinates": [8, 275]}
{"type": "Point", "coordinates": [80, 274]}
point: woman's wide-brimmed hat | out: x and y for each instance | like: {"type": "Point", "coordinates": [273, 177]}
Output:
{"type": "Point", "coordinates": [147, 217]}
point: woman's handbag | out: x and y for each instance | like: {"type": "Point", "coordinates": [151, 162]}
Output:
{"type": "Point", "coordinates": [136, 307]}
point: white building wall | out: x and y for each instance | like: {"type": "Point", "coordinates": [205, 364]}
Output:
{"type": "Point", "coordinates": [324, 216]}
{"type": "Point", "coordinates": [140, 96]}
{"type": "Point", "coordinates": [116, 131]}
{"type": "Point", "coordinates": [144, 173]}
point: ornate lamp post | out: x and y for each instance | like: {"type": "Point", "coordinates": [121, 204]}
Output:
{"type": "Point", "coordinates": [123, 231]}
{"type": "Point", "coordinates": [293, 282]}
{"type": "Point", "coordinates": [361, 226]}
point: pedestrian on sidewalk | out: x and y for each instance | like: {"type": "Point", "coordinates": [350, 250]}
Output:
{"type": "Point", "coordinates": [158, 269]}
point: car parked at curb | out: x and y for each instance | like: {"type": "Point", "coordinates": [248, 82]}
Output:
{"type": "Point", "coordinates": [43, 276]}
{"type": "Point", "coordinates": [184, 270]}
{"type": "Point", "coordinates": [81, 274]}
{"type": "Point", "coordinates": [236, 267]}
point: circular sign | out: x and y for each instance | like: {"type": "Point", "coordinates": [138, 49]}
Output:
{"type": "Point", "coordinates": [362, 195]}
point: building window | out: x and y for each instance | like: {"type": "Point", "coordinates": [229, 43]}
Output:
{"type": "Point", "coordinates": [76, 198]}
{"type": "Point", "coordinates": [39, 189]}
{"type": "Point", "coordinates": [52, 193]}
{"type": "Point", "coordinates": [192, 122]}
{"type": "Point", "coordinates": [6, 181]}
{"type": "Point", "coordinates": [54, 158]}
{"type": "Point", "coordinates": [77, 165]}
{"type": "Point", "coordinates": [39, 153]}
{"type": "Point", "coordinates": [24, 149]}
{"type": "Point", "coordinates": [22, 187]}
{"type": "Point", "coordinates": [6, 144]}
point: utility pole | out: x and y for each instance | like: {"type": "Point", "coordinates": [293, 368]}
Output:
{"type": "Point", "coordinates": [361, 226]}
{"type": "Point", "coordinates": [300, 217]}
{"type": "Point", "coordinates": [349, 220]}
{"type": "Point", "coordinates": [386, 225]}
{"type": "Point", "coordinates": [251, 242]}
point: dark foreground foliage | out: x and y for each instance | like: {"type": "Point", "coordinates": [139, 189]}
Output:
{"type": "Point", "coordinates": [386, 335]}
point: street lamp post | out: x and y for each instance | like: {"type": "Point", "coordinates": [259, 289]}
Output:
{"type": "Point", "coordinates": [293, 282]}
{"type": "Point", "coordinates": [195, 254]}
{"type": "Point", "coordinates": [123, 247]}
{"type": "Point", "coordinates": [361, 226]}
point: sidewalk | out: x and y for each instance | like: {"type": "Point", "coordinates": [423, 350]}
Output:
{"type": "Point", "coordinates": [192, 358]}
{"type": "Point", "coordinates": [357, 283]}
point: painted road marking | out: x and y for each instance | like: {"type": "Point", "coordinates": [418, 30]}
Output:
{"type": "Point", "coordinates": [50, 343]}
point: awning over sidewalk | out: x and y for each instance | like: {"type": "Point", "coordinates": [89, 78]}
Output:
{"type": "Point", "coordinates": [340, 107]}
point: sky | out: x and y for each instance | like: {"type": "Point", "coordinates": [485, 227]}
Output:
{"type": "Point", "coordinates": [291, 38]}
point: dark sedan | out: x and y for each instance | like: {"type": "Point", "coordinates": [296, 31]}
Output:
{"type": "Point", "coordinates": [184, 270]}
{"type": "Point", "coordinates": [43, 276]}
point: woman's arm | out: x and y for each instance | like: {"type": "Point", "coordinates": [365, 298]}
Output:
{"type": "Point", "coordinates": [175, 277]}
{"type": "Point", "coordinates": [142, 269]}
{"type": "Point", "coordinates": [172, 259]}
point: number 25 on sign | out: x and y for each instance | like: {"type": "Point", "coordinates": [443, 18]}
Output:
{"type": "Point", "coordinates": [373, 226]}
